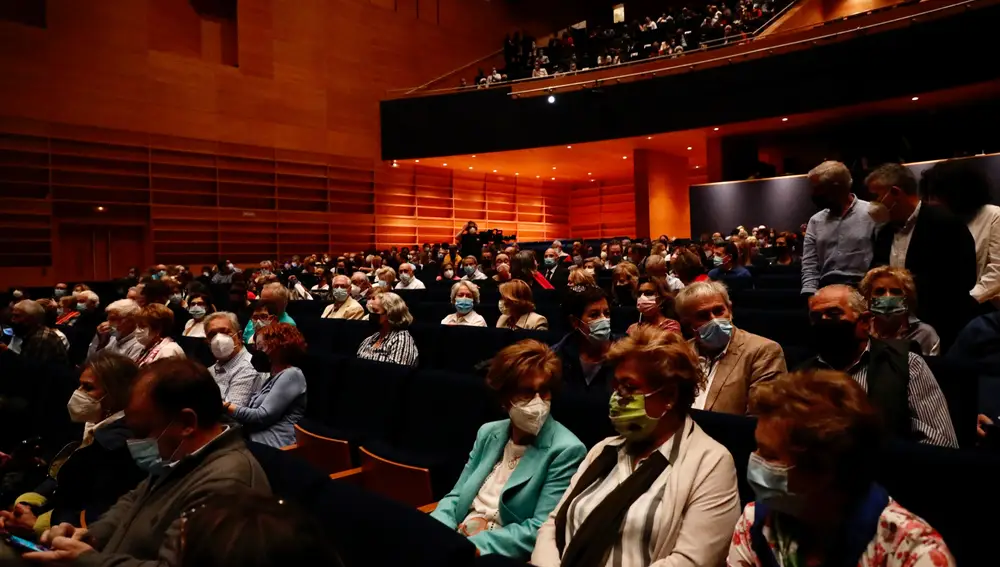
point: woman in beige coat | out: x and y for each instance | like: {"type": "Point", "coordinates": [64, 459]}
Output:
{"type": "Point", "coordinates": [661, 493]}
{"type": "Point", "coordinates": [517, 308]}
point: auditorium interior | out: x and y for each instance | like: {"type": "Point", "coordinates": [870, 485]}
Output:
{"type": "Point", "coordinates": [478, 283]}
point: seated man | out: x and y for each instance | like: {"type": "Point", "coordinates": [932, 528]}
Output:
{"type": "Point", "coordinates": [726, 261]}
{"type": "Point", "coordinates": [274, 297]}
{"type": "Point", "coordinates": [174, 410]}
{"type": "Point", "coordinates": [37, 342]}
{"type": "Point", "coordinates": [361, 288]}
{"type": "Point", "coordinates": [407, 279]}
{"type": "Point", "coordinates": [117, 334]}
{"type": "Point", "coordinates": [237, 379]}
{"type": "Point", "coordinates": [554, 270]}
{"type": "Point", "coordinates": [344, 306]}
{"type": "Point", "coordinates": [899, 383]}
{"type": "Point", "coordinates": [732, 359]}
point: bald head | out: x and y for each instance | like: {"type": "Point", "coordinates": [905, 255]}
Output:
{"type": "Point", "coordinates": [837, 302]}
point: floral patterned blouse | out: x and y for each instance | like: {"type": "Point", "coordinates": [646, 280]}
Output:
{"type": "Point", "coordinates": [903, 540]}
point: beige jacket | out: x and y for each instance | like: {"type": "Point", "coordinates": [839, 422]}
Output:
{"type": "Point", "coordinates": [351, 309]}
{"type": "Point", "coordinates": [699, 508]}
{"type": "Point", "coordinates": [530, 322]}
{"type": "Point", "coordinates": [748, 359]}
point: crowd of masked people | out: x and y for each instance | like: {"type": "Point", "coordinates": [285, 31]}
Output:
{"type": "Point", "coordinates": [163, 442]}
{"type": "Point", "coordinates": [675, 31]}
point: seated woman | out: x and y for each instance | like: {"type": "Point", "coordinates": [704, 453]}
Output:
{"type": "Point", "coordinates": [526, 462]}
{"type": "Point", "coordinates": [524, 267]}
{"type": "Point", "coordinates": [392, 343]}
{"type": "Point", "coordinates": [152, 330]}
{"type": "Point", "coordinates": [470, 269]}
{"type": "Point", "coordinates": [817, 432]}
{"type": "Point", "coordinates": [660, 493]}
{"type": "Point", "coordinates": [784, 255]}
{"type": "Point", "coordinates": [687, 265]}
{"type": "Point", "coordinates": [892, 298]}
{"type": "Point", "coordinates": [656, 307]}
{"type": "Point", "coordinates": [584, 350]}
{"type": "Point", "coordinates": [69, 314]}
{"type": "Point", "coordinates": [199, 306]}
{"type": "Point", "coordinates": [385, 278]}
{"type": "Point", "coordinates": [625, 278]}
{"type": "Point", "coordinates": [580, 276]}
{"type": "Point", "coordinates": [517, 308]}
{"type": "Point", "coordinates": [321, 291]}
{"type": "Point", "coordinates": [502, 268]}
{"type": "Point", "coordinates": [273, 411]}
{"type": "Point", "coordinates": [95, 473]}
{"type": "Point", "coordinates": [465, 297]}
{"type": "Point", "coordinates": [447, 273]}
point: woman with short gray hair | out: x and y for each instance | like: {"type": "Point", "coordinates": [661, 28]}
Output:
{"type": "Point", "coordinates": [392, 343]}
{"type": "Point", "coordinates": [465, 297]}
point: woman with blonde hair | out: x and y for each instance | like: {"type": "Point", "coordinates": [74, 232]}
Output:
{"type": "Point", "coordinates": [153, 326]}
{"type": "Point", "coordinates": [818, 443]}
{"type": "Point", "coordinates": [517, 308]}
{"type": "Point", "coordinates": [891, 295]}
{"type": "Point", "coordinates": [392, 343]}
{"type": "Point", "coordinates": [385, 278]}
{"type": "Point", "coordinates": [580, 276]}
{"type": "Point", "coordinates": [625, 279]}
{"type": "Point", "coordinates": [519, 467]}
{"type": "Point", "coordinates": [662, 492]}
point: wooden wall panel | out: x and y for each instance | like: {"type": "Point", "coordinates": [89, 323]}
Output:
{"type": "Point", "coordinates": [603, 209]}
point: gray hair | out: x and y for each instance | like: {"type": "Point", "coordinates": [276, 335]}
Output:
{"type": "Point", "coordinates": [655, 260]}
{"type": "Point", "coordinates": [280, 292]}
{"type": "Point", "coordinates": [396, 310]}
{"type": "Point", "coordinates": [385, 270]}
{"type": "Point", "coordinates": [359, 278]}
{"type": "Point", "coordinates": [338, 276]}
{"type": "Point", "coordinates": [831, 173]}
{"type": "Point", "coordinates": [32, 309]}
{"type": "Point", "coordinates": [700, 290]}
{"type": "Point", "coordinates": [412, 267]}
{"type": "Point", "coordinates": [234, 322]}
{"type": "Point", "coordinates": [855, 300]}
{"type": "Point", "coordinates": [124, 308]}
{"type": "Point", "coordinates": [468, 285]}
{"type": "Point", "coordinates": [894, 175]}
{"type": "Point", "coordinates": [87, 296]}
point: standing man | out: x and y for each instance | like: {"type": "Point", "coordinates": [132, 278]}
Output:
{"type": "Point", "coordinates": [934, 245]}
{"type": "Point", "coordinates": [838, 241]}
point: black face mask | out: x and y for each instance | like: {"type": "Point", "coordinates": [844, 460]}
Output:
{"type": "Point", "coordinates": [834, 340]}
{"type": "Point", "coordinates": [260, 361]}
{"type": "Point", "coordinates": [623, 292]}
{"type": "Point", "coordinates": [19, 329]}
{"type": "Point", "coordinates": [781, 249]}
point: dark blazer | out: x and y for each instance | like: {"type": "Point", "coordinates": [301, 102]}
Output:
{"type": "Point", "coordinates": [942, 259]}
{"type": "Point", "coordinates": [559, 278]}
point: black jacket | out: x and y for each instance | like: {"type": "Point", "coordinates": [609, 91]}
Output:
{"type": "Point", "coordinates": [94, 477]}
{"type": "Point", "coordinates": [942, 259]}
{"type": "Point", "coordinates": [559, 277]}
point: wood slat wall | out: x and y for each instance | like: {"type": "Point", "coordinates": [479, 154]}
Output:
{"type": "Point", "coordinates": [603, 209]}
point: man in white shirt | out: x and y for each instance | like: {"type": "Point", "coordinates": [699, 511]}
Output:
{"type": "Point", "coordinates": [406, 278]}
{"type": "Point", "coordinates": [117, 334]}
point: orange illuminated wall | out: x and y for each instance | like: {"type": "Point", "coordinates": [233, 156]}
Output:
{"type": "Point", "coordinates": [603, 209]}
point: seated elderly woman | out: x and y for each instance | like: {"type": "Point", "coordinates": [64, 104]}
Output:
{"type": "Point", "coordinates": [662, 492]}
{"type": "Point", "coordinates": [273, 411]}
{"type": "Point", "coordinates": [517, 308]}
{"type": "Point", "coordinates": [656, 306]}
{"type": "Point", "coordinates": [385, 278]}
{"type": "Point", "coordinates": [199, 306]}
{"type": "Point", "coordinates": [818, 440]}
{"type": "Point", "coordinates": [625, 278]}
{"type": "Point", "coordinates": [892, 298]}
{"type": "Point", "coordinates": [580, 276]}
{"type": "Point", "coordinates": [392, 343]}
{"type": "Point", "coordinates": [465, 297]}
{"type": "Point", "coordinates": [96, 472]}
{"type": "Point", "coordinates": [67, 312]}
{"type": "Point", "coordinates": [519, 467]}
{"type": "Point", "coordinates": [152, 330]}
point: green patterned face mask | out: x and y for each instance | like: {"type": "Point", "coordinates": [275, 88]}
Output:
{"type": "Point", "coordinates": [629, 418]}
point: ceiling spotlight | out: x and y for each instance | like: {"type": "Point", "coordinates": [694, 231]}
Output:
{"type": "Point", "coordinates": [690, 148]}
{"type": "Point", "coordinates": [394, 164]}
{"type": "Point", "coordinates": [494, 171]}
{"type": "Point", "coordinates": [915, 98]}
{"type": "Point", "coordinates": [552, 99]}
{"type": "Point", "coordinates": [473, 155]}
{"type": "Point", "coordinates": [591, 180]}
{"type": "Point", "coordinates": [416, 161]}
{"type": "Point", "coordinates": [649, 137]}
{"type": "Point", "coordinates": [716, 128]}
{"type": "Point", "coordinates": [100, 209]}
{"type": "Point", "coordinates": [569, 147]}
{"type": "Point", "coordinates": [516, 173]}
{"type": "Point", "coordinates": [784, 120]}
{"type": "Point", "coordinates": [588, 173]}
{"type": "Point", "coordinates": [470, 167]}
{"type": "Point", "coordinates": [444, 165]}
{"type": "Point", "coordinates": [624, 157]}
{"type": "Point", "coordinates": [553, 179]}
{"type": "Point", "coordinates": [553, 168]}
{"type": "Point", "coordinates": [537, 176]}
{"type": "Point", "coordinates": [697, 166]}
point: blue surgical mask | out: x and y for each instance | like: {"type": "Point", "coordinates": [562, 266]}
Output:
{"type": "Point", "coordinates": [717, 260]}
{"type": "Point", "coordinates": [888, 304]}
{"type": "Point", "coordinates": [59, 292]}
{"type": "Point", "coordinates": [146, 454]}
{"type": "Point", "coordinates": [549, 262]}
{"type": "Point", "coordinates": [464, 305]}
{"type": "Point", "coordinates": [715, 334]}
{"type": "Point", "coordinates": [197, 311]}
{"type": "Point", "coordinates": [770, 483]}
{"type": "Point", "coordinates": [469, 270]}
{"type": "Point", "coordinates": [81, 306]}
{"type": "Point", "coordinates": [600, 329]}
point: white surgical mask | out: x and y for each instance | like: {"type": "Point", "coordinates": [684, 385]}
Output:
{"type": "Point", "coordinates": [83, 408]}
{"type": "Point", "coordinates": [339, 294]}
{"type": "Point", "coordinates": [529, 416]}
{"type": "Point", "coordinates": [589, 271]}
{"type": "Point", "coordinates": [355, 291]}
{"type": "Point", "coordinates": [142, 336]}
{"type": "Point", "coordinates": [448, 274]}
{"type": "Point", "coordinates": [405, 278]}
{"type": "Point", "coordinates": [222, 346]}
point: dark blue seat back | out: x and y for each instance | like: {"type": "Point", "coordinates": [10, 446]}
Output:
{"type": "Point", "coordinates": [959, 383]}
{"type": "Point", "coordinates": [366, 399]}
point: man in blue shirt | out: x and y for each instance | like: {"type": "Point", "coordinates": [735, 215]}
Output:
{"type": "Point", "coordinates": [838, 242]}
{"type": "Point", "coordinates": [726, 263]}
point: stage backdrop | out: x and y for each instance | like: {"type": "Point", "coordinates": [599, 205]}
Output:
{"type": "Point", "coordinates": [781, 202]}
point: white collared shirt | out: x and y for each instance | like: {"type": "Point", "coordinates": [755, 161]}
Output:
{"type": "Point", "coordinates": [470, 319]}
{"type": "Point", "coordinates": [901, 240]}
{"type": "Point", "coordinates": [709, 366]}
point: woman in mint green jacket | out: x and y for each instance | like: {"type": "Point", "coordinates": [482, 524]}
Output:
{"type": "Point", "coordinates": [520, 467]}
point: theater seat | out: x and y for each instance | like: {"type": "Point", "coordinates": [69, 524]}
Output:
{"type": "Point", "coordinates": [328, 455]}
{"type": "Point", "coordinates": [458, 348]}
{"type": "Point", "coordinates": [406, 484]}
{"type": "Point", "coordinates": [959, 383]}
{"type": "Point", "coordinates": [782, 326]}
{"type": "Point", "coordinates": [584, 412]}
{"type": "Point", "coordinates": [735, 433]}
{"type": "Point", "coordinates": [304, 309]}
{"type": "Point", "coordinates": [366, 401]}
{"type": "Point", "coordinates": [196, 348]}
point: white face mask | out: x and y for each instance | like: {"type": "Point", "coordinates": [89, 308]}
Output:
{"type": "Point", "coordinates": [448, 274]}
{"type": "Point", "coordinates": [530, 416]}
{"type": "Point", "coordinates": [83, 408]}
{"type": "Point", "coordinates": [405, 278]}
{"type": "Point", "coordinates": [222, 346]}
{"type": "Point", "coordinates": [355, 291]}
{"type": "Point", "coordinates": [142, 336]}
{"type": "Point", "coordinates": [589, 271]}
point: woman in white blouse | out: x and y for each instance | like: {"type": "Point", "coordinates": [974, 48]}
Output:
{"type": "Point", "coordinates": [661, 491]}
{"type": "Point", "coordinates": [199, 306]}
{"type": "Point", "coordinates": [152, 327]}
{"type": "Point", "coordinates": [962, 187]}
{"type": "Point", "coordinates": [465, 297]}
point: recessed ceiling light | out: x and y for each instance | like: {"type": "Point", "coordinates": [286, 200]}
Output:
{"type": "Point", "coordinates": [537, 176]}
{"type": "Point", "coordinates": [716, 128]}
{"type": "Point", "coordinates": [690, 148]}
{"type": "Point", "coordinates": [915, 98]}
{"type": "Point", "coordinates": [588, 173]}
{"type": "Point", "coordinates": [100, 208]}
{"type": "Point", "coordinates": [624, 157]}
{"type": "Point", "coordinates": [473, 155]}
{"type": "Point", "coordinates": [470, 167]}
{"type": "Point", "coordinates": [591, 180]}
{"type": "Point", "coordinates": [445, 165]}
{"type": "Point", "coordinates": [516, 173]}
{"type": "Point", "coordinates": [569, 147]}
{"type": "Point", "coordinates": [649, 137]}
{"type": "Point", "coordinates": [784, 120]}
{"type": "Point", "coordinates": [553, 179]}
{"type": "Point", "coordinates": [553, 168]}
{"type": "Point", "coordinates": [494, 171]}
{"type": "Point", "coordinates": [697, 166]}
{"type": "Point", "coordinates": [552, 99]}
{"type": "Point", "coordinates": [416, 161]}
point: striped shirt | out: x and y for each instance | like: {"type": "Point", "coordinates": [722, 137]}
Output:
{"type": "Point", "coordinates": [929, 417]}
{"type": "Point", "coordinates": [637, 539]}
{"type": "Point", "coordinates": [397, 348]}
{"type": "Point", "coordinates": [237, 379]}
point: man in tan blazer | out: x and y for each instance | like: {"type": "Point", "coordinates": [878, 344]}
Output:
{"type": "Point", "coordinates": [733, 360]}
{"type": "Point", "coordinates": [344, 306]}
